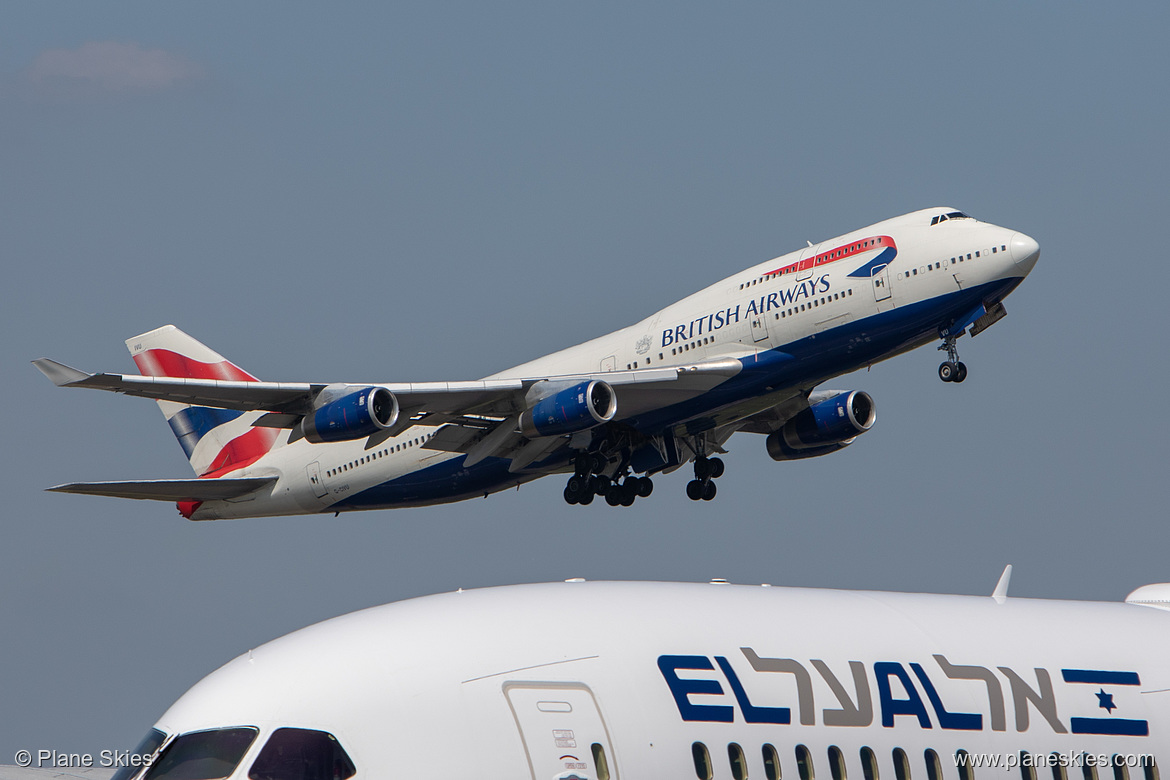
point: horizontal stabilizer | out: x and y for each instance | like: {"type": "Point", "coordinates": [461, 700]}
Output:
{"type": "Point", "coordinates": [59, 373]}
{"type": "Point", "coordinates": [169, 489]}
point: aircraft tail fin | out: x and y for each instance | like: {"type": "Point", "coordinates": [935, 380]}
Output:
{"type": "Point", "coordinates": [216, 441]}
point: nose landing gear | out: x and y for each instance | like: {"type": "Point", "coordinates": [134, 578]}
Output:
{"type": "Point", "coordinates": [952, 370]}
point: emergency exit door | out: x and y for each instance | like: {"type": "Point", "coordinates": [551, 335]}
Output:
{"type": "Point", "coordinates": [563, 731]}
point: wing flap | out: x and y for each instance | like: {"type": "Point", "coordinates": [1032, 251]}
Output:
{"type": "Point", "coordinates": [170, 489]}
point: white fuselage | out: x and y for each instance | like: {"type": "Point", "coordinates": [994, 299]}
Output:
{"type": "Point", "coordinates": [527, 682]}
{"type": "Point", "coordinates": [793, 321]}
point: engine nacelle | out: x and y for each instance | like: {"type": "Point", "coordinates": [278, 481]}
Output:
{"type": "Point", "coordinates": [576, 408]}
{"type": "Point", "coordinates": [826, 426]}
{"type": "Point", "coordinates": [355, 415]}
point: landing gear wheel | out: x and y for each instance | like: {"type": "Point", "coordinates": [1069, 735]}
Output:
{"type": "Point", "coordinates": [645, 487]}
{"type": "Point", "coordinates": [577, 485]}
{"type": "Point", "coordinates": [613, 497]}
{"type": "Point", "coordinates": [947, 371]}
{"type": "Point", "coordinates": [960, 372]}
{"type": "Point", "coordinates": [709, 491]}
{"type": "Point", "coordinates": [717, 468]}
{"type": "Point", "coordinates": [629, 493]}
{"type": "Point", "coordinates": [600, 485]}
{"type": "Point", "coordinates": [599, 462]}
{"type": "Point", "coordinates": [570, 496]}
{"type": "Point", "coordinates": [703, 468]}
{"type": "Point", "coordinates": [586, 498]}
{"type": "Point", "coordinates": [695, 490]}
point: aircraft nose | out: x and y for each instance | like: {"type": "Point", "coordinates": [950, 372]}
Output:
{"type": "Point", "coordinates": [1025, 251]}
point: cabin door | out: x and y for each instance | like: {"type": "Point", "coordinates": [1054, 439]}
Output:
{"type": "Point", "coordinates": [313, 472]}
{"type": "Point", "coordinates": [880, 278]}
{"type": "Point", "coordinates": [563, 731]}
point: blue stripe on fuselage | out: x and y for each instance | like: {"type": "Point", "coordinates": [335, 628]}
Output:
{"type": "Point", "coordinates": [821, 356]}
{"type": "Point", "coordinates": [884, 257]}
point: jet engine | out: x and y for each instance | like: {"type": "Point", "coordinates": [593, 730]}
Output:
{"type": "Point", "coordinates": [824, 427]}
{"type": "Point", "coordinates": [575, 408]}
{"type": "Point", "coordinates": [354, 415]}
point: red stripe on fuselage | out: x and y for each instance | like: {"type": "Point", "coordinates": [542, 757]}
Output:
{"type": "Point", "coordinates": [163, 362]}
{"type": "Point", "coordinates": [837, 253]}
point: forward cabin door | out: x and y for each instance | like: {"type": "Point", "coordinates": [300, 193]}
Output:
{"type": "Point", "coordinates": [563, 731]}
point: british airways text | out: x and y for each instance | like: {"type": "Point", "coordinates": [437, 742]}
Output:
{"type": "Point", "coordinates": [761, 305]}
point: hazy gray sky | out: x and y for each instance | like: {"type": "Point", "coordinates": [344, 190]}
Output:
{"type": "Point", "coordinates": [439, 191]}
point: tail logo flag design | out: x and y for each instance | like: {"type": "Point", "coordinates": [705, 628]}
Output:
{"type": "Point", "coordinates": [216, 441]}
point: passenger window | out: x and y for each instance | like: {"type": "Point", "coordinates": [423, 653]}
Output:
{"type": "Point", "coordinates": [933, 766]}
{"type": "Point", "coordinates": [1088, 770]}
{"type": "Point", "coordinates": [302, 754]}
{"type": "Point", "coordinates": [600, 762]}
{"type": "Point", "coordinates": [836, 763]}
{"type": "Point", "coordinates": [702, 761]}
{"type": "Point", "coordinates": [1027, 769]}
{"type": "Point", "coordinates": [772, 763]}
{"type": "Point", "coordinates": [202, 755]}
{"type": "Point", "coordinates": [901, 765]}
{"type": "Point", "coordinates": [804, 764]}
{"type": "Point", "coordinates": [869, 767]}
{"type": "Point", "coordinates": [738, 762]}
{"type": "Point", "coordinates": [1059, 772]}
{"type": "Point", "coordinates": [963, 762]}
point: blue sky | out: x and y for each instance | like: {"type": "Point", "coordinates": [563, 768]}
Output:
{"type": "Point", "coordinates": [439, 191]}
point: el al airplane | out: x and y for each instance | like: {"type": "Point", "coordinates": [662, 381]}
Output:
{"type": "Point", "coordinates": [744, 354]}
{"type": "Point", "coordinates": [612, 680]}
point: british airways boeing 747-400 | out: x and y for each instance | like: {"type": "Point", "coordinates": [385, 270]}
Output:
{"type": "Point", "coordinates": [745, 354]}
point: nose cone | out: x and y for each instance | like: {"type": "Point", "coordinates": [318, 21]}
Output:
{"type": "Point", "coordinates": [1025, 251]}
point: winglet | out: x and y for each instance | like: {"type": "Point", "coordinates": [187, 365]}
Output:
{"type": "Point", "coordinates": [1001, 587]}
{"type": "Point", "coordinates": [58, 373]}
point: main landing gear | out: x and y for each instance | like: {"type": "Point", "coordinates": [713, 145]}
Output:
{"type": "Point", "coordinates": [588, 481]}
{"type": "Point", "coordinates": [952, 370]}
{"type": "Point", "coordinates": [707, 470]}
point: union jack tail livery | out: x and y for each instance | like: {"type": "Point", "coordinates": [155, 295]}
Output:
{"type": "Point", "coordinates": [216, 441]}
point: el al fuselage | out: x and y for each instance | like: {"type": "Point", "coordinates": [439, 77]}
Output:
{"type": "Point", "coordinates": [793, 321]}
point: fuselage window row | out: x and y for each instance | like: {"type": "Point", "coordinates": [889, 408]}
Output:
{"type": "Point", "coordinates": [353, 464]}
{"type": "Point", "coordinates": [964, 764]}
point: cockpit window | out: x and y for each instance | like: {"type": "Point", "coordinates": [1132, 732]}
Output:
{"type": "Point", "coordinates": [202, 755]}
{"type": "Point", "coordinates": [950, 215]}
{"type": "Point", "coordinates": [145, 748]}
{"type": "Point", "coordinates": [302, 754]}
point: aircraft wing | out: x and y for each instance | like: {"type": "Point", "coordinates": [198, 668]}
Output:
{"type": "Point", "coordinates": [493, 397]}
{"type": "Point", "coordinates": [170, 489]}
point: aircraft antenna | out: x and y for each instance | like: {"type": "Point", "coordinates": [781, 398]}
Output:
{"type": "Point", "coordinates": [1001, 587]}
